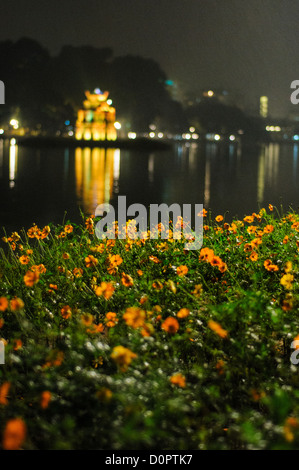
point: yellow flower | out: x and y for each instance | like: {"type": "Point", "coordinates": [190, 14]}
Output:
{"type": "Point", "coordinates": [134, 317]}
{"type": "Point", "coordinates": [287, 281]}
{"type": "Point", "coordinates": [288, 267]}
{"type": "Point", "coordinates": [198, 290]}
{"type": "Point", "coordinates": [122, 357]}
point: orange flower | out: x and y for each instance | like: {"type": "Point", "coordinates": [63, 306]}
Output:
{"type": "Point", "coordinates": [45, 232]}
{"type": "Point", "coordinates": [14, 434]}
{"type": "Point", "coordinates": [78, 272]}
{"type": "Point", "coordinates": [17, 344]}
{"type": "Point", "coordinates": [96, 328]}
{"type": "Point", "coordinates": [66, 312]}
{"type": "Point", "coordinates": [123, 357]}
{"type": "Point", "coordinates": [40, 268]}
{"type": "Point", "coordinates": [24, 259]}
{"type": "Point", "coordinates": [222, 267]}
{"type": "Point", "coordinates": [171, 325]}
{"type": "Point", "coordinates": [111, 319]}
{"type": "Point", "coordinates": [114, 260]}
{"type": "Point", "coordinates": [106, 289]}
{"type": "Point", "coordinates": [4, 389]}
{"type": "Point", "coordinates": [254, 256]}
{"type": "Point", "coordinates": [139, 272]}
{"type": "Point", "coordinates": [31, 278]}
{"type": "Point", "coordinates": [249, 219]}
{"type": "Point", "coordinates": [181, 270]}
{"type": "Point", "coordinates": [3, 304]}
{"type": "Point", "coordinates": [68, 228]}
{"type": "Point", "coordinates": [45, 399]}
{"type": "Point", "coordinates": [154, 259]}
{"type": "Point", "coordinates": [65, 256]}
{"type": "Point", "coordinates": [268, 229]}
{"type": "Point", "coordinates": [270, 207]}
{"type": "Point", "coordinates": [214, 326]}
{"type": "Point", "coordinates": [127, 280]}
{"type": "Point", "coordinates": [134, 317]}
{"type": "Point", "coordinates": [206, 254]}
{"type": "Point", "coordinates": [219, 218]}
{"type": "Point", "coordinates": [269, 266]}
{"type": "Point", "coordinates": [179, 380]}
{"type": "Point", "coordinates": [16, 304]}
{"type": "Point", "coordinates": [216, 261]}
{"type": "Point", "coordinates": [183, 313]}
{"type": "Point", "coordinates": [90, 261]}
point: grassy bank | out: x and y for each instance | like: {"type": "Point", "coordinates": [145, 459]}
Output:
{"type": "Point", "coordinates": [141, 344]}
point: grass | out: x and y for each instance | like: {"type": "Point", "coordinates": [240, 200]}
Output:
{"type": "Point", "coordinates": [142, 344]}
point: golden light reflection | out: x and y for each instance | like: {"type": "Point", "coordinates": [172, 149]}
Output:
{"type": "Point", "coordinates": [13, 162]}
{"type": "Point", "coordinates": [268, 165]}
{"type": "Point", "coordinates": [95, 173]}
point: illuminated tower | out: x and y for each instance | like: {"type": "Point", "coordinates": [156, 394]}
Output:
{"type": "Point", "coordinates": [263, 106]}
{"type": "Point", "coordinates": [95, 121]}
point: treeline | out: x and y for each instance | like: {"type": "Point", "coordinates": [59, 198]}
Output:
{"type": "Point", "coordinates": [46, 90]}
{"type": "Point", "coordinates": [43, 91]}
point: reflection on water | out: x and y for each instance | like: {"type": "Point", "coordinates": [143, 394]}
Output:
{"type": "Point", "coordinates": [96, 175]}
{"type": "Point", "coordinates": [13, 162]}
{"type": "Point", "coordinates": [44, 184]}
{"type": "Point", "coordinates": [267, 169]}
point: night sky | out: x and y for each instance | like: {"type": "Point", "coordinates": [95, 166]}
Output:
{"type": "Point", "coordinates": [247, 47]}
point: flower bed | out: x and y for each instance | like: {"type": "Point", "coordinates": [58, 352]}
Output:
{"type": "Point", "coordinates": [142, 344]}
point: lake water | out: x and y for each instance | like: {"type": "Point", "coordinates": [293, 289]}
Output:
{"type": "Point", "coordinates": [41, 185]}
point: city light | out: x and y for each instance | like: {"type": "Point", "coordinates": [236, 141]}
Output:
{"type": "Point", "coordinates": [109, 102]}
{"type": "Point", "coordinates": [132, 135]}
{"type": "Point", "coordinates": [232, 138]}
{"type": "Point", "coordinates": [160, 135]}
{"type": "Point", "coordinates": [14, 123]}
{"type": "Point", "coordinates": [1, 131]}
{"type": "Point", "coordinates": [117, 125]}
{"type": "Point", "coordinates": [195, 136]}
{"type": "Point", "coordinates": [152, 135]}
{"type": "Point", "coordinates": [192, 129]}
{"type": "Point", "coordinates": [210, 93]}
{"type": "Point", "coordinates": [216, 137]}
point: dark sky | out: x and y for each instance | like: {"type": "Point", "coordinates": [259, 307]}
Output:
{"type": "Point", "coordinates": [248, 47]}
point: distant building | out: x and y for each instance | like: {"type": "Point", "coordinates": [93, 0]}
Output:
{"type": "Point", "coordinates": [264, 106]}
{"type": "Point", "coordinates": [95, 121]}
